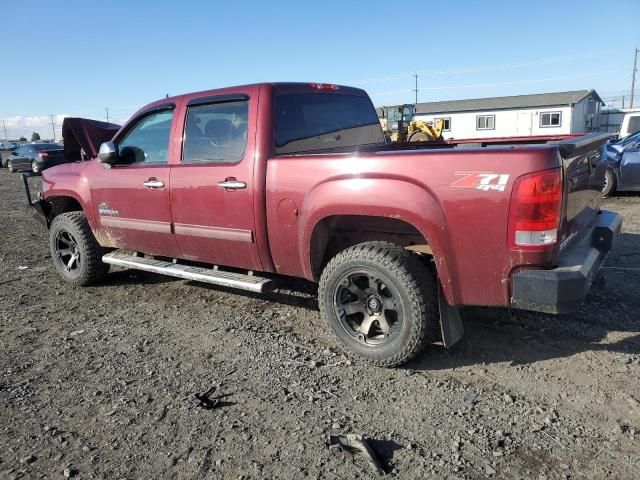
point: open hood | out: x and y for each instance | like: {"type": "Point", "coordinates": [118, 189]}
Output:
{"type": "Point", "coordinates": [85, 134]}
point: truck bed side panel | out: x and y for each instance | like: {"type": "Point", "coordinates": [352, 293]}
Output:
{"type": "Point", "coordinates": [438, 192]}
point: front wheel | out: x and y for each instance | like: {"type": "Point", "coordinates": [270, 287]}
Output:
{"type": "Point", "coordinates": [10, 166]}
{"type": "Point", "coordinates": [380, 301]}
{"type": "Point", "coordinates": [419, 137]}
{"type": "Point", "coordinates": [76, 253]}
{"type": "Point", "coordinates": [34, 167]}
{"type": "Point", "coordinates": [609, 185]}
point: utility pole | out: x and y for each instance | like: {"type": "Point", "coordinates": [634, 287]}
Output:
{"type": "Point", "coordinates": [4, 125]}
{"type": "Point", "coordinates": [107, 110]}
{"type": "Point", "coordinates": [633, 75]}
{"type": "Point", "coordinates": [416, 89]}
{"type": "Point", "coordinates": [53, 127]}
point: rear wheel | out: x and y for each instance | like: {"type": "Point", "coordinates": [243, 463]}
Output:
{"type": "Point", "coordinates": [10, 166]}
{"type": "Point", "coordinates": [609, 185]}
{"type": "Point", "coordinates": [76, 254]}
{"type": "Point", "coordinates": [380, 302]}
{"type": "Point", "coordinates": [34, 167]}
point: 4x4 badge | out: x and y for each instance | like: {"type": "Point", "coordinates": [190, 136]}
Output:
{"type": "Point", "coordinates": [482, 181]}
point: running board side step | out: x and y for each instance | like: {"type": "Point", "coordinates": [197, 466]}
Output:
{"type": "Point", "coordinates": [197, 274]}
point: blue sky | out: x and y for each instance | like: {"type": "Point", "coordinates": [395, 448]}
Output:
{"type": "Point", "coordinates": [77, 57]}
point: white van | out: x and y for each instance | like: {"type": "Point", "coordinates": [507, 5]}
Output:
{"type": "Point", "coordinates": [630, 124]}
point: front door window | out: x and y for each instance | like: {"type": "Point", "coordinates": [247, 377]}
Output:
{"type": "Point", "coordinates": [148, 141]}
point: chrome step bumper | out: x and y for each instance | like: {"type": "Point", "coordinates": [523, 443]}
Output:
{"type": "Point", "coordinates": [187, 272]}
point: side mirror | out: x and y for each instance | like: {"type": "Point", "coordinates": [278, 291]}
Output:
{"type": "Point", "coordinates": [108, 153]}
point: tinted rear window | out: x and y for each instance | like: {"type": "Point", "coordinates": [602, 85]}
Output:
{"type": "Point", "coordinates": [308, 122]}
{"type": "Point", "coordinates": [46, 146]}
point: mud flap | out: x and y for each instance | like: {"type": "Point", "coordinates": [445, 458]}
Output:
{"type": "Point", "coordinates": [450, 321]}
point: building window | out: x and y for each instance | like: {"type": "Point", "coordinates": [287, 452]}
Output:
{"type": "Point", "coordinates": [550, 119]}
{"type": "Point", "coordinates": [485, 122]}
{"type": "Point", "coordinates": [446, 123]}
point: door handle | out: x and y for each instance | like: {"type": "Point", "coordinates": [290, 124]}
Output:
{"type": "Point", "coordinates": [232, 185]}
{"type": "Point", "coordinates": [153, 184]}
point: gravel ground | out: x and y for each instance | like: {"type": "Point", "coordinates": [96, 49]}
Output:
{"type": "Point", "coordinates": [101, 382]}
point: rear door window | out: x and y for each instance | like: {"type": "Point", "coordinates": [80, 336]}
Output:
{"type": "Point", "coordinates": [308, 122]}
{"type": "Point", "coordinates": [216, 133]}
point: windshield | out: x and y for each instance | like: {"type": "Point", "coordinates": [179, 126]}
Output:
{"type": "Point", "coordinates": [307, 122]}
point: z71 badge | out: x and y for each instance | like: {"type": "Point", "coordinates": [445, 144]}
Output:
{"type": "Point", "coordinates": [482, 181]}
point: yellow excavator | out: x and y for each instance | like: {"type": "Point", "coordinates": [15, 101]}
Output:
{"type": "Point", "coordinates": [399, 125]}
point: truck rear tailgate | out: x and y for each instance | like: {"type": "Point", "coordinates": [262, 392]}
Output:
{"type": "Point", "coordinates": [582, 184]}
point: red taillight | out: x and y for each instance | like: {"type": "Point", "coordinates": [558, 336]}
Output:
{"type": "Point", "coordinates": [534, 213]}
{"type": "Point", "coordinates": [324, 86]}
{"type": "Point", "coordinates": [43, 154]}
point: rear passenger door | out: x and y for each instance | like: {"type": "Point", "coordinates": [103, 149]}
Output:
{"type": "Point", "coordinates": [212, 186]}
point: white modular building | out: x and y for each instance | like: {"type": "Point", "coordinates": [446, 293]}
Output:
{"type": "Point", "coordinates": [556, 113]}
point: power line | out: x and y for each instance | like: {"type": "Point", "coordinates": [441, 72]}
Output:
{"type": "Point", "coordinates": [416, 89]}
{"type": "Point", "coordinates": [474, 69]}
{"type": "Point", "coordinates": [497, 84]}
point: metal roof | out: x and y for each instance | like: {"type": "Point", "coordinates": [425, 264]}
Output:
{"type": "Point", "coordinates": [500, 103]}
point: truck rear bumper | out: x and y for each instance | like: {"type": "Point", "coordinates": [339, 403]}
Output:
{"type": "Point", "coordinates": [563, 289]}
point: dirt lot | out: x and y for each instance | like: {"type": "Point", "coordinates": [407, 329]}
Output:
{"type": "Point", "coordinates": [101, 381]}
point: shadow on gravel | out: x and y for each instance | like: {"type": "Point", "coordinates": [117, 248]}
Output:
{"type": "Point", "coordinates": [207, 402]}
{"type": "Point", "coordinates": [495, 335]}
{"type": "Point", "coordinates": [384, 450]}
{"type": "Point", "coordinates": [615, 195]}
{"type": "Point", "coordinates": [294, 292]}
{"type": "Point", "coordinates": [502, 335]}
{"type": "Point", "coordinates": [133, 277]}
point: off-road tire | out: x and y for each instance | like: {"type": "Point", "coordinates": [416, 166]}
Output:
{"type": "Point", "coordinates": [609, 185]}
{"type": "Point", "coordinates": [410, 278]}
{"type": "Point", "coordinates": [10, 166]}
{"type": "Point", "coordinates": [91, 269]}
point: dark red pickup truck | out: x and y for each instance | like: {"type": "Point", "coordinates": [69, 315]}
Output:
{"type": "Point", "coordinates": [297, 179]}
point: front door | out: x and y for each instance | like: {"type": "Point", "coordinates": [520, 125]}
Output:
{"type": "Point", "coordinates": [212, 187]}
{"type": "Point", "coordinates": [132, 198]}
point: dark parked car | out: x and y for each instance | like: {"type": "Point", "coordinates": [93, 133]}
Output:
{"type": "Point", "coordinates": [622, 161]}
{"type": "Point", "coordinates": [35, 157]}
{"type": "Point", "coordinates": [6, 151]}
